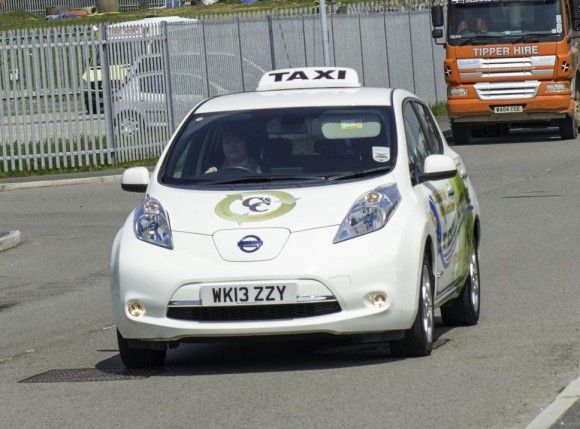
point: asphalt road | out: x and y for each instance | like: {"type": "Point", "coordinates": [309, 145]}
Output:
{"type": "Point", "coordinates": [55, 314]}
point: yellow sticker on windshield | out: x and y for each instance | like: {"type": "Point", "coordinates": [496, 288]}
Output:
{"type": "Point", "coordinates": [351, 124]}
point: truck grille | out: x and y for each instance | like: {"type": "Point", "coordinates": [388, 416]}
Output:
{"type": "Point", "coordinates": [509, 67]}
{"type": "Point", "coordinates": [507, 90]}
{"type": "Point", "coordinates": [242, 313]}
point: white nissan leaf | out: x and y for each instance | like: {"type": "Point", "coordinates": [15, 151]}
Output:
{"type": "Point", "coordinates": [312, 207]}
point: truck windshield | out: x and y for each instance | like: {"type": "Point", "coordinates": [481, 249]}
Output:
{"type": "Point", "coordinates": [504, 21]}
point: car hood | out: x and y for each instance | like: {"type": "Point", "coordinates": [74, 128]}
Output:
{"type": "Point", "coordinates": [296, 209]}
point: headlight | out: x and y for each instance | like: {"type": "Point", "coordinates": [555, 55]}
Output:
{"type": "Point", "coordinates": [151, 223]}
{"type": "Point", "coordinates": [457, 92]}
{"type": "Point", "coordinates": [369, 213]}
{"type": "Point", "coordinates": [557, 87]}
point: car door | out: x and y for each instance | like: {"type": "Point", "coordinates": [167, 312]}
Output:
{"type": "Point", "coordinates": [436, 196]}
{"type": "Point", "coordinates": [459, 194]}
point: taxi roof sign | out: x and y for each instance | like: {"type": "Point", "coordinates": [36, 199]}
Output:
{"type": "Point", "coordinates": [309, 77]}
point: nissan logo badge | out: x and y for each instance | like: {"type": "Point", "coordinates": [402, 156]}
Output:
{"type": "Point", "coordinates": [250, 243]}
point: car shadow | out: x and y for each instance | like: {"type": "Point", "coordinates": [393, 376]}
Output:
{"type": "Point", "coordinates": [516, 135]}
{"type": "Point", "coordinates": [243, 357]}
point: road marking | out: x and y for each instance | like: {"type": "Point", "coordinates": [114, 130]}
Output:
{"type": "Point", "coordinates": [556, 409]}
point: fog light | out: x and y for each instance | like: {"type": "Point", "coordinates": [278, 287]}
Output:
{"type": "Point", "coordinates": [378, 299]}
{"type": "Point", "coordinates": [557, 87]}
{"type": "Point", "coordinates": [136, 308]}
{"type": "Point", "coordinates": [458, 92]}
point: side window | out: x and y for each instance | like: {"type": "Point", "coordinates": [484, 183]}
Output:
{"type": "Point", "coordinates": [417, 145]}
{"type": "Point", "coordinates": [431, 130]}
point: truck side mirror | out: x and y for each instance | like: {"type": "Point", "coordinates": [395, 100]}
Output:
{"type": "Point", "coordinates": [437, 33]}
{"type": "Point", "coordinates": [437, 18]}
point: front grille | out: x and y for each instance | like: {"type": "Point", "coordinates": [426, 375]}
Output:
{"type": "Point", "coordinates": [253, 312]}
{"type": "Point", "coordinates": [507, 90]}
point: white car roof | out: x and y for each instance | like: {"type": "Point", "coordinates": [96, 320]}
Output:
{"type": "Point", "coordinates": [299, 98]}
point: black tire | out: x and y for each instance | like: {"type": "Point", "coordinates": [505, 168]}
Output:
{"type": "Point", "coordinates": [139, 358]}
{"type": "Point", "coordinates": [464, 310]}
{"type": "Point", "coordinates": [418, 340]}
{"type": "Point", "coordinates": [461, 133]}
{"type": "Point", "coordinates": [568, 128]}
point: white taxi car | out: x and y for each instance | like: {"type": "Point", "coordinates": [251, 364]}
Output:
{"type": "Point", "coordinates": [310, 207]}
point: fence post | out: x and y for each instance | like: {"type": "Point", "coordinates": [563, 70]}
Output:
{"type": "Point", "coordinates": [205, 56]}
{"type": "Point", "coordinates": [104, 54]}
{"type": "Point", "coordinates": [167, 74]}
{"type": "Point", "coordinates": [241, 57]}
{"type": "Point", "coordinates": [272, 50]}
{"type": "Point", "coordinates": [411, 49]}
{"type": "Point", "coordinates": [362, 50]}
{"type": "Point", "coordinates": [304, 40]}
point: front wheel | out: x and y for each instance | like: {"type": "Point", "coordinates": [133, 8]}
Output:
{"type": "Point", "coordinates": [418, 341]}
{"type": "Point", "coordinates": [464, 310]}
{"type": "Point", "coordinates": [139, 358]}
{"type": "Point", "coordinates": [568, 128]}
{"type": "Point", "coordinates": [129, 124]}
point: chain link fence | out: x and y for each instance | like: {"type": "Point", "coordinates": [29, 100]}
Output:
{"type": "Point", "coordinates": [75, 97]}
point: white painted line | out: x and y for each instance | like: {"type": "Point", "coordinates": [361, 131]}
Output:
{"type": "Point", "coordinates": [556, 409]}
{"type": "Point", "coordinates": [59, 182]}
{"type": "Point", "coordinates": [12, 239]}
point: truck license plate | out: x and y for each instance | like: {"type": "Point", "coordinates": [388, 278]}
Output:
{"type": "Point", "coordinates": [508, 109]}
{"type": "Point", "coordinates": [250, 294]}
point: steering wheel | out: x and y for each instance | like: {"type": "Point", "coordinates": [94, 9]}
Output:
{"type": "Point", "coordinates": [238, 167]}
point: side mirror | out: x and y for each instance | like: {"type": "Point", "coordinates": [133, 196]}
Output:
{"type": "Point", "coordinates": [437, 33]}
{"type": "Point", "coordinates": [438, 167]}
{"type": "Point", "coordinates": [135, 179]}
{"type": "Point", "coordinates": [437, 18]}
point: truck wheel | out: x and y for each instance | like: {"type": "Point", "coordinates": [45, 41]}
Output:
{"type": "Point", "coordinates": [139, 358]}
{"type": "Point", "coordinates": [464, 310]}
{"type": "Point", "coordinates": [461, 133]}
{"type": "Point", "coordinates": [568, 128]}
{"type": "Point", "coordinates": [418, 340]}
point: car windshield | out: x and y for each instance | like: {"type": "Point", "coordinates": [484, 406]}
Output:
{"type": "Point", "coordinates": [504, 21]}
{"type": "Point", "coordinates": [310, 144]}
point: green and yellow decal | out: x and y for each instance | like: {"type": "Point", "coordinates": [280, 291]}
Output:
{"type": "Point", "coordinates": [255, 206]}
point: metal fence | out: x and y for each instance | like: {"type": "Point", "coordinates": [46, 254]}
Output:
{"type": "Point", "coordinates": [72, 98]}
{"type": "Point", "coordinates": [40, 6]}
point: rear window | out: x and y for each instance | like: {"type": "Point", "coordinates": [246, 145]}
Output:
{"type": "Point", "coordinates": [299, 144]}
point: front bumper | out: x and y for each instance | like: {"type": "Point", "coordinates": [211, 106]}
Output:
{"type": "Point", "coordinates": [158, 276]}
{"type": "Point", "coordinates": [539, 108]}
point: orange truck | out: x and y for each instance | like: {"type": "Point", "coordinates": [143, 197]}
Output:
{"type": "Point", "coordinates": [510, 62]}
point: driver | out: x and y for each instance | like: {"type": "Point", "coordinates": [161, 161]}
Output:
{"type": "Point", "coordinates": [472, 23]}
{"type": "Point", "coordinates": [235, 150]}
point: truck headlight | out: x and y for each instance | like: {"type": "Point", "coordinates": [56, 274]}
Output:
{"type": "Point", "coordinates": [557, 87]}
{"type": "Point", "coordinates": [151, 223]}
{"type": "Point", "coordinates": [369, 213]}
{"type": "Point", "coordinates": [458, 92]}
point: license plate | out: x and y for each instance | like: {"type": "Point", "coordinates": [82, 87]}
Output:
{"type": "Point", "coordinates": [508, 109]}
{"type": "Point", "coordinates": [251, 294]}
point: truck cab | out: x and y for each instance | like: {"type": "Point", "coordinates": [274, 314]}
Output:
{"type": "Point", "coordinates": [509, 62]}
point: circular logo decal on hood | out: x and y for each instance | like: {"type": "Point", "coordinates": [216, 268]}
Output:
{"type": "Point", "coordinates": [255, 206]}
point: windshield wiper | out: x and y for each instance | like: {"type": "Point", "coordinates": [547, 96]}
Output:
{"type": "Point", "coordinates": [360, 173]}
{"type": "Point", "coordinates": [258, 179]}
{"type": "Point", "coordinates": [477, 37]}
{"type": "Point", "coordinates": [532, 37]}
